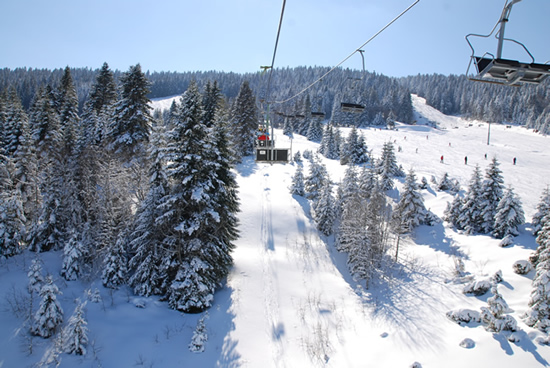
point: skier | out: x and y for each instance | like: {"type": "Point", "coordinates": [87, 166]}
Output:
{"type": "Point", "coordinates": [465, 160]}
{"type": "Point", "coordinates": [514, 160]}
{"type": "Point", "coordinates": [441, 159]}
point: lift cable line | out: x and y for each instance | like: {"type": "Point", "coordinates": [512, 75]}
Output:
{"type": "Point", "coordinates": [359, 49]}
{"type": "Point", "coordinates": [274, 53]}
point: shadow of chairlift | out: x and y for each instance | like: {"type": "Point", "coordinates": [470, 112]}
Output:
{"type": "Point", "coordinates": [496, 70]}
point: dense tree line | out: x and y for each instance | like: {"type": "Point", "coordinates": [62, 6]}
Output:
{"type": "Point", "coordinates": [381, 96]}
{"type": "Point", "coordinates": [129, 198]}
{"type": "Point", "coordinates": [528, 105]}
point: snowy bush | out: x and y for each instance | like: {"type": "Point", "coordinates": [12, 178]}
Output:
{"type": "Point", "coordinates": [200, 336]}
{"type": "Point", "coordinates": [506, 241]}
{"type": "Point", "coordinates": [477, 287]}
{"type": "Point", "coordinates": [493, 315]}
{"type": "Point", "coordinates": [467, 343]}
{"type": "Point", "coordinates": [464, 316]}
{"type": "Point", "coordinates": [423, 183]}
{"type": "Point", "coordinates": [416, 365]}
{"type": "Point", "coordinates": [522, 267]}
{"type": "Point", "coordinates": [497, 277]}
{"type": "Point", "coordinates": [94, 296]}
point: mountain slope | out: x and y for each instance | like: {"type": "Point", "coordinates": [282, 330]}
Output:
{"type": "Point", "coordinates": [290, 301]}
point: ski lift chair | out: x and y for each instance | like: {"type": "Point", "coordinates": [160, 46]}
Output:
{"type": "Point", "coordinates": [354, 107]}
{"type": "Point", "coordinates": [491, 69]}
{"type": "Point", "coordinates": [318, 114]}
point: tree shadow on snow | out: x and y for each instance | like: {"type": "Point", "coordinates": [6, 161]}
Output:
{"type": "Point", "coordinates": [221, 348]}
{"type": "Point", "coordinates": [403, 300]}
{"type": "Point", "coordinates": [435, 237]}
{"type": "Point", "coordinates": [247, 167]}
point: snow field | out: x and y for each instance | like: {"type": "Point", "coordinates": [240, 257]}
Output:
{"type": "Point", "coordinates": [290, 301]}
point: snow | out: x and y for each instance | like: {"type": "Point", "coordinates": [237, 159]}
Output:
{"type": "Point", "coordinates": [290, 301]}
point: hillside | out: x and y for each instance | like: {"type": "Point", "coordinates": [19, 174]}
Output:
{"type": "Point", "coordinates": [289, 300]}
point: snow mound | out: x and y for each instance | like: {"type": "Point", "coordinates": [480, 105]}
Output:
{"type": "Point", "coordinates": [467, 343]}
{"type": "Point", "coordinates": [464, 316]}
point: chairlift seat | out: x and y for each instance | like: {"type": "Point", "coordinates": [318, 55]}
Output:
{"type": "Point", "coordinates": [351, 107]}
{"type": "Point", "coordinates": [511, 72]}
{"type": "Point", "coordinates": [317, 114]}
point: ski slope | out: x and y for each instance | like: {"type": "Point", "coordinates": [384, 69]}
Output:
{"type": "Point", "coordinates": [289, 300]}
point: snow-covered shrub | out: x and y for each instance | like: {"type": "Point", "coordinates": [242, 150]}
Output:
{"type": "Point", "coordinates": [416, 365]}
{"type": "Point", "coordinates": [493, 315]}
{"type": "Point", "coordinates": [477, 287]}
{"type": "Point", "coordinates": [94, 296]}
{"type": "Point", "coordinates": [497, 277]}
{"type": "Point", "coordinates": [467, 343]}
{"type": "Point", "coordinates": [522, 267]}
{"type": "Point", "coordinates": [464, 316]}
{"type": "Point", "coordinates": [298, 157]}
{"type": "Point", "coordinates": [423, 183]}
{"type": "Point", "coordinates": [200, 336]}
{"type": "Point", "coordinates": [506, 241]}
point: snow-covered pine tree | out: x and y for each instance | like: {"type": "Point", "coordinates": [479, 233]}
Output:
{"type": "Point", "coordinates": [543, 240]}
{"type": "Point", "coordinates": [196, 261]}
{"type": "Point", "coordinates": [491, 193]}
{"type": "Point", "coordinates": [388, 161]}
{"type": "Point", "coordinates": [75, 334]}
{"type": "Point", "coordinates": [145, 240]}
{"type": "Point", "coordinates": [72, 258]}
{"type": "Point", "coordinates": [200, 335]}
{"type": "Point", "coordinates": [367, 182]}
{"type": "Point", "coordinates": [538, 314]}
{"type": "Point", "coordinates": [445, 183]}
{"type": "Point", "coordinates": [316, 179]}
{"type": "Point", "coordinates": [36, 279]}
{"type": "Point", "coordinates": [493, 315]}
{"type": "Point", "coordinates": [351, 232]}
{"type": "Point", "coordinates": [349, 146]}
{"type": "Point", "coordinates": [297, 187]}
{"type": "Point", "coordinates": [509, 215]}
{"type": "Point", "coordinates": [315, 130]}
{"type": "Point", "coordinates": [452, 212]}
{"type": "Point", "coordinates": [115, 264]}
{"type": "Point", "coordinates": [410, 210]}
{"type": "Point", "coordinates": [244, 121]}
{"type": "Point", "coordinates": [225, 201]}
{"type": "Point", "coordinates": [67, 101]}
{"type": "Point", "coordinates": [360, 153]}
{"type": "Point", "coordinates": [288, 127]}
{"type": "Point", "coordinates": [470, 214]}
{"type": "Point", "coordinates": [129, 129]}
{"type": "Point", "coordinates": [49, 314]}
{"type": "Point", "coordinates": [46, 232]}
{"type": "Point", "coordinates": [329, 145]}
{"type": "Point", "coordinates": [211, 101]}
{"type": "Point", "coordinates": [12, 216]}
{"type": "Point", "coordinates": [543, 211]}
{"type": "Point", "coordinates": [15, 123]}
{"type": "Point", "coordinates": [349, 187]}
{"type": "Point", "coordinates": [324, 210]}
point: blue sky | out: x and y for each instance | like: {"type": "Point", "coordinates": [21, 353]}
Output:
{"type": "Point", "coordinates": [239, 35]}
